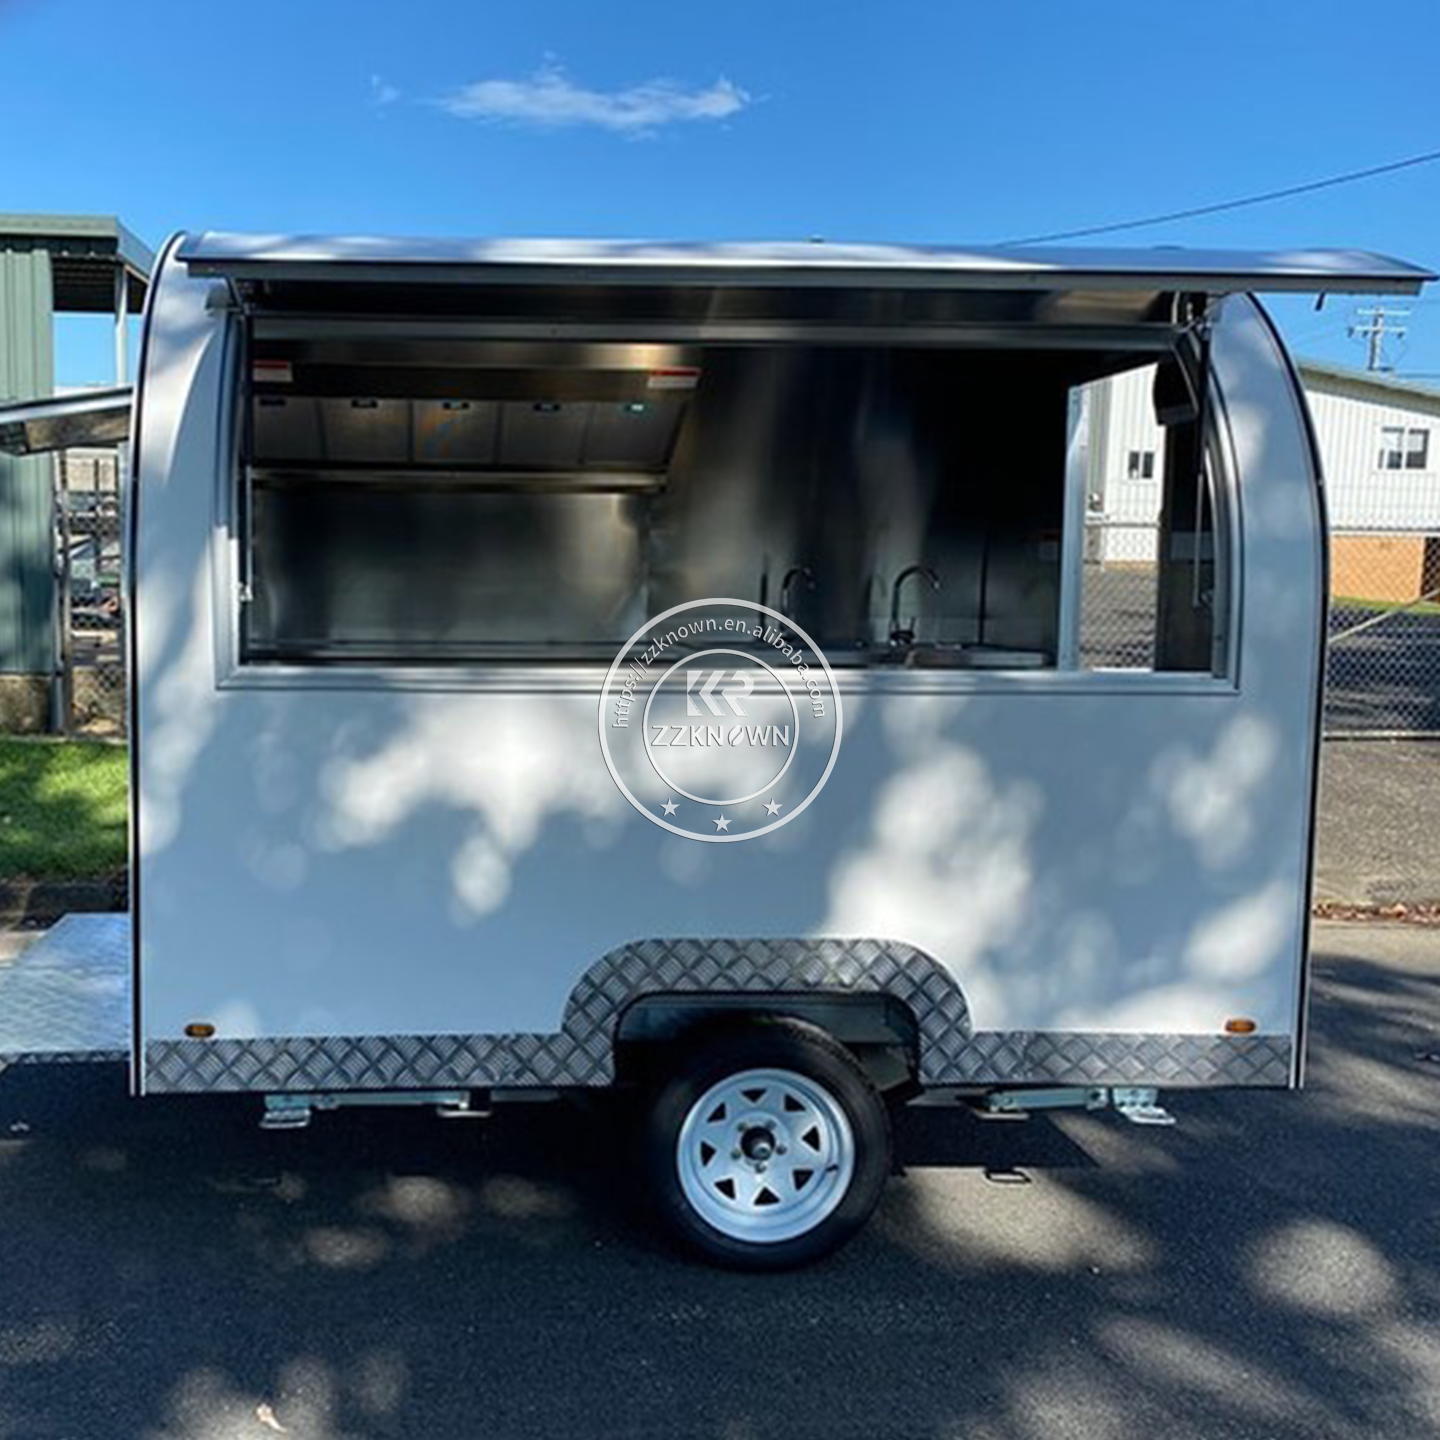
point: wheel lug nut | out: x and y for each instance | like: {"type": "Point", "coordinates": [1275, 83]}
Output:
{"type": "Point", "coordinates": [760, 1167]}
{"type": "Point", "coordinates": [779, 1149]}
{"type": "Point", "coordinates": [736, 1153]}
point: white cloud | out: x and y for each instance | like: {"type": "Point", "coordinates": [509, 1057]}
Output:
{"type": "Point", "coordinates": [382, 93]}
{"type": "Point", "coordinates": [550, 99]}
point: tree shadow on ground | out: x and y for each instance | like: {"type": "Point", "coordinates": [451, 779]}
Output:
{"type": "Point", "coordinates": [1267, 1268]}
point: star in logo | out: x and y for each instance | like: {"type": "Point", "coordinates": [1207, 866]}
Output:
{"type": "Point", "coordinates": [722, 823]}
{"type": "Point", "coordinates": [671, 807]}
{"type": "Point", "coordinates": [772, 807]}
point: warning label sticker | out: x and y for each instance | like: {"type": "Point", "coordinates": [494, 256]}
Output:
{"type": "Point", "coordinates": [674, 377]}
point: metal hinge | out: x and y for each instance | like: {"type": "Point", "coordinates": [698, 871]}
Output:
{"type": "Point", "coordinates": [221, 299]}
{"type": "Point", "coordinates": [1020, 1102]}
{"type": "Point", "coordinates": [295, 1111]}
{"type": "Point", "coordinates": [1140, 1105]}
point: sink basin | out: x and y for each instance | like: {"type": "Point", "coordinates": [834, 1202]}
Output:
{"type": "Point", "coordinates": [936, 657]}
{"type": "Point", "coordinates": [944, 656]}
{"type": "Point", "coordinates": [1004, 657]}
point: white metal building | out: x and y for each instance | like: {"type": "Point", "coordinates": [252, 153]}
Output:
{"type": "Point", "coordinates": [1381, 456]}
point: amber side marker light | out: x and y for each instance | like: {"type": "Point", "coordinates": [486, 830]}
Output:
{"type": "Point", "coordinates": [1239, 1025]}
{"type": "Point", "coordinates": [199, 1030]}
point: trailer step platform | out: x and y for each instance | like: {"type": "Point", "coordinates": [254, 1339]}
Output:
{"type": "Point", "coordinates": [66, 995]}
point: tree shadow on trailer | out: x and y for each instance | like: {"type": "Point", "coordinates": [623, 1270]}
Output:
{"type": "Point", "coordinates": [1266, 1268]}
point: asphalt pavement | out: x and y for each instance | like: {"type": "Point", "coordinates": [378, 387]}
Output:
{"type": "Point", "coordinates": [1267, 1268]}
{"type": "Point", "coordinates": [1378, 840]}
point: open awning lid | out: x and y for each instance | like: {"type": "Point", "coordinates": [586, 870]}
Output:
{"type": "Point", "coordinates": [793, 264]}
{"type": "Point", "coordinates": [85, 417]}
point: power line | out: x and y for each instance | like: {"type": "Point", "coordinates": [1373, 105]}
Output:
{"type": "Point", "coordinates": [1428, 158]}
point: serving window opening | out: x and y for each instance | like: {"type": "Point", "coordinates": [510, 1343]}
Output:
{"type": "Point", "coordinates": [422, 502]}
{"type": "Point", "coordinates": [1152, 552]}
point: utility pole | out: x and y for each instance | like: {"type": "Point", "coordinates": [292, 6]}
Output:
{"type": "Point", "coordinates": [1375, 331]}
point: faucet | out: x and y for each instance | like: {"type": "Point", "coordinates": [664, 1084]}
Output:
{"type": "Point", "coordinates": [899, 636]}
{"type": "Point", "coordinates": [801, 570]}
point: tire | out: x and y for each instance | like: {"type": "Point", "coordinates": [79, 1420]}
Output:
{"type": "Point", "coordinates": [727, 1132]}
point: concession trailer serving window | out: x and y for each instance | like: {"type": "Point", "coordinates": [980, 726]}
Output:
{"type": "Point", "coordinates": [491, 452]}
{"type": "Point", "coordinates": [408, 498]}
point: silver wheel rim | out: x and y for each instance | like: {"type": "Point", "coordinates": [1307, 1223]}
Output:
{"type": "Point", "coordinates": [765, 1155]}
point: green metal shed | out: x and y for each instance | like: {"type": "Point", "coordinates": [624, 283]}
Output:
{"type": "Point", "coordinates": [48, 263]}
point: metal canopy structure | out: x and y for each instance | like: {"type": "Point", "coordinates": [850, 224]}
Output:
{"type": "Point", "coordinates": [49, 264]}
{"type": "Point", "coordinates": [617, 262]}
{"type": "Point", "coordinates": [88, 254]}
{"type": "Point", "coordinates": [91, 417]}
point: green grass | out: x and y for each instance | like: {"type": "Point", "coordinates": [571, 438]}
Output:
{"type": "Point", "coordinates": [62, 810]}
{"type": "Point", "coordinates": [1418, 607]}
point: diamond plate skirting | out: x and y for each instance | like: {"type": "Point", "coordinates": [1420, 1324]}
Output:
{"type": "Point", "coordinates": [579, 1054]}
{"type": "Point", "coordinates": [1079, 1057]}
{"type": "Point", "coordinates": [65, 997]}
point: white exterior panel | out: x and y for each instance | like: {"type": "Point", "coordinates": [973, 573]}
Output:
{"type": "Point", "coordinates": [347, 855]}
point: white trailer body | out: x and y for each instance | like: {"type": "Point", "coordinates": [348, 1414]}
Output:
{"type": "Point", "coordinates": [380, 562]}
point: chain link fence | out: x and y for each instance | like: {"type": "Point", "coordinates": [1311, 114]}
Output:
{"type": "Point", "coordinates": [87, 516]}
{"type": "Point", "coordinates": [1378, 799]}
{"type": "Point", "coordinates": [1118, 594]}
{"type": "Point", "coordinates": [1383, 666]}
{"type": "Point", "coordinates": [1383, 676]}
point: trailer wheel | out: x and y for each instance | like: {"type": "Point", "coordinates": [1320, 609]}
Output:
{"type": "Point", "coordinates": [768, 1148]}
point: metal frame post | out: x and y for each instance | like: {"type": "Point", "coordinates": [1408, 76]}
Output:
{"type": "Point", "coordinates": [122, 316]}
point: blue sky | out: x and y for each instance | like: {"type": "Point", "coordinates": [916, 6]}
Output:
{"type": "Point", "coordinates": [897, 121]}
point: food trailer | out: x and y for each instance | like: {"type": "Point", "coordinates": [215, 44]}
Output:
{"type": "Point", "coordinates": [399, 511]}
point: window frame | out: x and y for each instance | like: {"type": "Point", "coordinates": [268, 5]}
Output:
{"type": "Point", "coordinates": [1417, 458]}
{"type": "Point", "coordinates": [231, 575]}
{"type": "Point", "coordinates": [1392, 456]}
{"type": "Point", "coordinates": [1225, 500]}
{"type": "Point", "coordinates": [1403, 454]}
{"type": "Point", "coordinates": [1140, 465]}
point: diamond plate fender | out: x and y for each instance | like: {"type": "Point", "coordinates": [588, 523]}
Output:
{"type": "Point", "coordinates": [757, 966]}
{"type": "Point", "coordinates": [580, 1053]}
